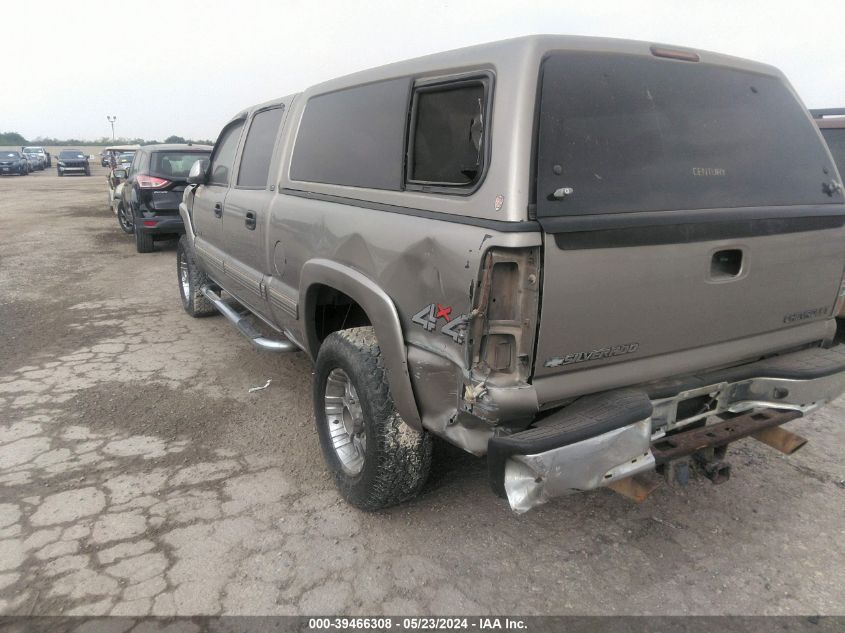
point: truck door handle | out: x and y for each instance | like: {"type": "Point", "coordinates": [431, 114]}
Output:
{"type": "Point", "coordinates": [218, 210]}
{"type": "Point", "coordinates": [249, 220]}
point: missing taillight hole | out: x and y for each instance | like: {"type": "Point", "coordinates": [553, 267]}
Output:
{"type": "Point", "coordinates": [504, 291]}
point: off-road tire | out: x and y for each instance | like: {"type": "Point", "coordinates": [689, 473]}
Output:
{"type": "Point", "coordinates": [144, 242]}
{"type": "Point", "coordinates": [397, 458]}
{"type": "Point", "coordinates": [195, 303]}
{"type": "Point", "coordinates": [125, 225]}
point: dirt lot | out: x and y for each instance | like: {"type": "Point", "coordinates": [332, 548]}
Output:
{"type": "Point", "coordinates": [138, 475]}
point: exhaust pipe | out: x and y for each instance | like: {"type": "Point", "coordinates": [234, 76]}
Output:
{"type": "Point", "coordinates": [246, 328]}
{"type": "Point", "coordinates": [779, 438]}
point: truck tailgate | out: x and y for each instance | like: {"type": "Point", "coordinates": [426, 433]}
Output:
{"type": "Point", "coordinates": [622, 302]}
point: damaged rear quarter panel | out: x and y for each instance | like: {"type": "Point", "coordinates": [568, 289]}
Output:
{"type": "Point", "coordinates": [418, 262]}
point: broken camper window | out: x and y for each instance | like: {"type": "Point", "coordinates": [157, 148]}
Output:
{"type": "Point", "coordinates": [446, 145]}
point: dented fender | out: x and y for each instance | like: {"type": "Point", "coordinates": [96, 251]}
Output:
{"type": "Point", "coordinates": [381, 312]}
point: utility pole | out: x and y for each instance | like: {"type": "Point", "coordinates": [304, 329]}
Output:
{"type": "Point", "coordinates": [112, 119]}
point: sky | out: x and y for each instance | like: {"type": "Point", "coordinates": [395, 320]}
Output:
{"type": "Point", "coordinates": [185, 67]}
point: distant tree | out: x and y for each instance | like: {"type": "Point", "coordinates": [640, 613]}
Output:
{"type": "Point", "coordinates": [12, 138]}
{"type": "Point", "coordinates": [174, 139]}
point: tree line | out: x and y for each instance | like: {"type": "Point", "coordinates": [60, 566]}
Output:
{"type": "Point", "coordinates": [15, 139]}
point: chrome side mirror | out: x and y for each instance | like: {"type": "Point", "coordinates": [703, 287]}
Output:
{"type": "Point", "coordinates": [197, 174]}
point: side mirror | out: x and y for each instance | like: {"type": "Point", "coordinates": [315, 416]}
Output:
{"type": "Point", "coordinates": [196, 176]}
{"type": "Point", "coordinates": [119, 173]}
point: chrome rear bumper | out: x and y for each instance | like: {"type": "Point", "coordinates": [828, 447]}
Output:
{"type": "Point", "coordinates": [799, 382]}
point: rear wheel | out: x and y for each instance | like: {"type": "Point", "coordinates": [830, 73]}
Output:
{"type": "Point", "coordinates": [191, 281]}
{"type": "Point", "coordinates": [376, 459]}
{"type": "Point", "coordinates": [144, 242]}
{"type": "Point", "coordinates": [124, 220]}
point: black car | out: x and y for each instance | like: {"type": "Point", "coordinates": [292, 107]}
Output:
{"type": "Point", "coordinates": [12, 162]}
{"type": "Point", "coordinates": [149, 202]}
{"type": "Point", "coordinates": [72, 161]}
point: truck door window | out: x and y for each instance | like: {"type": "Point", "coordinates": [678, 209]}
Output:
{"type": "Point", "coordinates": [258, 148]}
{"type": "Point", "coordinates": [224, 157]}
{"type": "Point", "coordinates": [447, 134]}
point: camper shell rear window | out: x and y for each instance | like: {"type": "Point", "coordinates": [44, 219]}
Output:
{"type": "Point", "coordinates": [624, 133]}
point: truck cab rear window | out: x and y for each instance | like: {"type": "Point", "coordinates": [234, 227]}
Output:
{"type": "Point", "coordinates": [623, 133]}
{"type": "Point", "coordinates": [447, 134]}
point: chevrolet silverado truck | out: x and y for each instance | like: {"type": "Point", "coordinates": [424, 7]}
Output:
{"type": "Point", "coordinates": [587, 259]}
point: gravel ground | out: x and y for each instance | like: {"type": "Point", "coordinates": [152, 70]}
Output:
{"type": "Point", "coordinates": [138, 475]}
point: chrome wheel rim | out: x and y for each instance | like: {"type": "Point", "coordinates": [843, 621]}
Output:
{"type": "Point", "coordinates": [345, 420]}
{"type": "Point", "coordinates": [184, 278]}
{"type": "Point", "coordinates": [124, 221]}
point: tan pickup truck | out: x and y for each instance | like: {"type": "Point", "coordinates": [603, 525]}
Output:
{"type": "Point", "coordinates": [586, 259]}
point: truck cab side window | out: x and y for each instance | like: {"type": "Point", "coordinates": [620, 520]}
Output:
{"type": "Point", "coordinates": [224, 157]}
{"type": "Point", "coordinates": [258, 149]}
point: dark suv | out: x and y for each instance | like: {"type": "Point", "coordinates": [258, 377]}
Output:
{"type": "Point", "coordinates": [72, 161]}
{"type": "Point", "coordinates": [149, 203]}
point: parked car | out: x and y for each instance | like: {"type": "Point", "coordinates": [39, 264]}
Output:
{"type": "Point", "coordinates": [122, 162]}
{"type": "Point", "coordinates": [72, 161]}
{"type": "Point", "coordinates": [36, 162]}
{"type": "Point", "coordinates": [113, 152]}
{"type": "Point", "coordinates": [150, 197]}
{"type": "Point", "coordinates": [585, 258]}
{"type": "Point", "coordinates": [46, 159]}
{"type": "Point", "coordinates": [12, 162]}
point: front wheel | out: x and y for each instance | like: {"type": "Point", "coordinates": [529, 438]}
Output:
{"type": "Point", "coordinates": [191, 281]}
{"type": "Point", "coordinates": [376, 459]}
{"type": "Point", "coordinates": [60, 172]}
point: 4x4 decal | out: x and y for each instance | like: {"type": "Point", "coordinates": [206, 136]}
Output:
{"type": "Point", "coordinates": [431, 314]}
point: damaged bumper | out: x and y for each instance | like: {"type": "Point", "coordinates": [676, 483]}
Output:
{"type": "Point", "coordinates": [604, 438]}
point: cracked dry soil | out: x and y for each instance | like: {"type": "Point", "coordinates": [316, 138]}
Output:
{"type": "Point", "coordinates": [138, 476]}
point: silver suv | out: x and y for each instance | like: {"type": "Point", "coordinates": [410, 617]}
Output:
{"type": "Point", "coordinates": [587, 259]}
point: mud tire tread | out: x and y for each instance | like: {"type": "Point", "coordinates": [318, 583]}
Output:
{"type": "Point", "coordinates": [398, 458]}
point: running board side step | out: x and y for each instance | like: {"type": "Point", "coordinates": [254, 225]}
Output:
{"type": "Point", "coordinates": [246, 328]}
